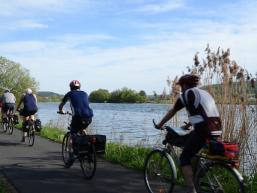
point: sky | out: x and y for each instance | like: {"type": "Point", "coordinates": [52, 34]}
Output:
{"type": "Point", "coordinates": [112, 44]}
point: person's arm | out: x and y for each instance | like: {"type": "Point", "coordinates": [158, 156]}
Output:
{"type": "Point", "coordinates": [178, 105]}
{"type": "Point", "coordinates": [61, 105]}
{"type": "Point", "coordinates": [35, 98]}
{"type": "Point", "coordinates": [167, 117]}
{"type": "Point", "coordinates": [19, 104]}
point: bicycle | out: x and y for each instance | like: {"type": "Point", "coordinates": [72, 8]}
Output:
{"type": "Point", "coordinates": [8, 122]}
{"type": "Point", "coordinates": [212, 173]}
{"type": "Point", "coordinates": [79, 146]}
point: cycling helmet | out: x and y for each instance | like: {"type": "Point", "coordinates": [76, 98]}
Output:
{"type": "Point", "coordinates": [189, 79]}
{"type": "Point", "coordinates": [28, 91]}
{"type": "Point", "coordinates": [7, 90]}
{"type": "Point", "coordinates": [74, 84]}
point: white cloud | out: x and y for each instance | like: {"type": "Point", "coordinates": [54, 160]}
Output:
{"type": "Point", "coordinates": [166, 6]}
{"type": "Point", "coordinates": [25, 24]}
{"type": "Point", "coordinates": [16, 8]}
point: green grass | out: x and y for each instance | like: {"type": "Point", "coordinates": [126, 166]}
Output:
{"type": "Point", "coordinates": [131, 157]}
{"type": "Point", "coordinates": [3, 186]}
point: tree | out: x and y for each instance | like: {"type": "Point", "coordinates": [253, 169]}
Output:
{"type": "Point", "coordinates": [14, 77]}
{"type": "Point", "coordinates": [99, 96]}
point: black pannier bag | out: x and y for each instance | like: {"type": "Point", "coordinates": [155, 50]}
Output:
{"type": "Point", "coordinates": [174, 139]}
{"type": "Point", "coordinates": [38, 125]}
{"type": "Point", "coordinates": [81, 143]}
{"type": "Point", "coordinates": [100, 143]}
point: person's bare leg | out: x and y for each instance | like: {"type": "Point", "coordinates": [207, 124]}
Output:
{"type": "Point", "coordinates": [189, 176]}
{"type": "Point", "coordinates": [24, 133]}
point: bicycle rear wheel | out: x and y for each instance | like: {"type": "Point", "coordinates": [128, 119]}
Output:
{"type": "Point", "coordinates": [88, 163]}
{"type": "Point", "coordinates": [218, 178]}
{"type": "Point", "coordinates": [31, 135]}
{"type": "Point", "coordinates": [67, 152]}
{"type": "Point", "coordinates": [10, 126]}
{"type": "Point", "coordinates": [159, 174]}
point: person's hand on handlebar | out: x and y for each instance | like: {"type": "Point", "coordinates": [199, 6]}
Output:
{"type": "Point", "coordinates": [61, 111]}
{"type": "Point", "coordinates": [186, 126]}
{"type": "Point", "coordinates": [157, 126]}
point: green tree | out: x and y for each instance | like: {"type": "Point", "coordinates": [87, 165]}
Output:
{"type": "Point", "coordinates": [99, 96]}
{"type": "Point", "coordinates": [126, 95]}
{"type": "Point", "coordinates": [14, 77]}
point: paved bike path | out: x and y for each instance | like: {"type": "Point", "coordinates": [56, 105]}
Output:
{"type": "Point", "coordinates": [39, 169]}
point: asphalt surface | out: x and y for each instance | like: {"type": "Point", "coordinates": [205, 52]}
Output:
{"type": "Point", "coordinates": [39, 169]}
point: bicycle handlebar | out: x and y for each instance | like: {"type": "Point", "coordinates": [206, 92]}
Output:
{"type": "Point", "coordinates": [64, 113]}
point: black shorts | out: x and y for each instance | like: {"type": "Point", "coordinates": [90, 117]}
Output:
{"type": "Point", "coordinates": [79, 123]}
{"type": "Point", "coordinates": [8, 106]}
{"type": "Point", "coordinates": [194, 143]}
{"type": "Point", "coordinates": [26, 113]}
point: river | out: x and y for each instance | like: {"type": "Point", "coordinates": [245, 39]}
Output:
{"type": "Point", "coordinates": [123, 123]}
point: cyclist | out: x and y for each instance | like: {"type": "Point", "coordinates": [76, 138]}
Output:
{"type": "Point", "coordinates": [29, 101]}
{"type": "Point", "coordinates": [8, 103]}
{"type": "Point", "coordinates": [203, 116]}
{"type": "Point", "coordinates": [81, 112]}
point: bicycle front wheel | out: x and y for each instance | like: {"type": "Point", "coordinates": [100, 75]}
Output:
{"type": "Point", "coordinates": [67, 153]}
{"type": "Point", "coordinates": [159, 174]}
{"type": "Point", "coordinates": [218, 178]}
{"type": "Point", "coordinates": [88, 163]}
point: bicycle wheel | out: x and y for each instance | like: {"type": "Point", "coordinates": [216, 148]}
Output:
{"type": "Point", "coordinates": [10, 126]}
{"type": "Point", "coordinates": [88, 163]}
{"type": "Point", "coordinates": [67, 152]}
{"type": "Point", "coordinates": [159, 174]}
{"type": "Point", "coordinates": [31, 135]}
{"type": "Point", "coordinates": [218, 178]}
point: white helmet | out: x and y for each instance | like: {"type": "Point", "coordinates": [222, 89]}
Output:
{"type": "Point", "coordinates": [28, 91]}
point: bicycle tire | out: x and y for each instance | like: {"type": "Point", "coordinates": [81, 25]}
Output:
{"type": "Point", "coordinates": [218, 178]}
{"type": "Point", "coordinates": [10, 126]}
{"type": "Point", "coordinates": [159, 172]}
{"type": "Point", "coordinates": [67, 154]}
{"type": "Point", "coordinates": [31, 135]}
{"type": "Point", "coordinates": [88, 163]}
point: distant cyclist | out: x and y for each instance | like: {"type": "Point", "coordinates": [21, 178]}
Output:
{"type": "Point", "coordinates": [29, 101]}
{"type": "Point", "coordinates": [203, 115]}
{"type": "Point", "coordinates": [81, 112]}
{"type": "Point", "coordinates": [8, 103]}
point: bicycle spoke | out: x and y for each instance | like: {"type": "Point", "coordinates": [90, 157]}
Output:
{"type": "Point", "coordinates": [159, 175]}
{"type": "Point", "coordinates": [67, 153]}
{"type": "Point", "coordinates": [219, 179]}
{"type": "Point", "coordinates": [88, 163]}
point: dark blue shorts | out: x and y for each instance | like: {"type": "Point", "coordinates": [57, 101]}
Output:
{"type": "Point", "coordinates": [26, 113]}
{"type": "Point", "coordinates": [8, 106]}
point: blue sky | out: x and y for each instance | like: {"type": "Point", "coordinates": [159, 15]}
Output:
{"type": "Point", "coordinates": [115, 43]}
